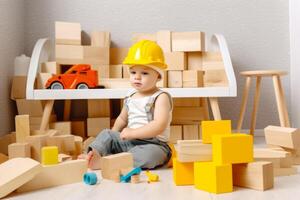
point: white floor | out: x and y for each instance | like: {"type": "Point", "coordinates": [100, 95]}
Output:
{"type": "Point", "coordinates": [287, 187]}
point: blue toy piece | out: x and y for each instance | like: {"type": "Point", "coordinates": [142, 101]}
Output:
{"type": "Point", "coordinates": [126, 178]}
{"type": "Point", "coordinates": [90, 178]}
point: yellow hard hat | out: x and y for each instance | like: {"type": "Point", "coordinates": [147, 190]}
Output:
{"type": "Point", "coordinates": [146, 52]}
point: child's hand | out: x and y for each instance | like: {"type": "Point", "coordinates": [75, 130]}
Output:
{"type": "Point", "coordinates": [127, 134]}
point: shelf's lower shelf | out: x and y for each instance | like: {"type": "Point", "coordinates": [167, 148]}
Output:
{"type": "Point", "coordinates": [44, 94]}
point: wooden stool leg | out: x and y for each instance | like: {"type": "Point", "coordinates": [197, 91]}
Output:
{"type": "Point", "coordinates": [281, 104]}
{"type": "Point", "coordinates": [255, 106]}
{"type": "Point", "coordinates": [244, 103]}
{"type": "Point", "coordinates": [67, 109]}
{"type": "Point", "coordinates": [215, 108]}
{"type": "Point", "coordinates": [46, 114]}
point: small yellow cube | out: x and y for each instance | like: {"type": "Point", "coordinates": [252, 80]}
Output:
{"type": "Point", "coordinates": [50, 155]}
{"type": "Point", "coordinates": [213, 178]}
{"type": "Point", "coordinates": [232, 149]}
{"type": "Point", "coordinates": [183, 173]}
{"type": "Point", "coordinates": [210, 128]}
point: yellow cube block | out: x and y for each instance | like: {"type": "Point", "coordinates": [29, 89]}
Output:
{"type": "Point", "coordinates": [232, 149]}
{"type": "Point", "coordinates": [50, 155]}
{"type": "Point", "coordinates": [183, 173]}
{"type": "Point", "coordinates": [210, 128]}
{"type": "Point", "coordinates": [213, 178]}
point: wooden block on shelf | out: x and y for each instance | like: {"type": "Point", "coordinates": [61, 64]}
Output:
{"type": "Point", "coordinates": [175, 79]}
{"type": "Point", "coordinates": [78, 128]}
{"type": "Point", "coordinates": [188, 41]}
{"type": "Point", "coordinates": [191, 132]}
{"type": "Point", "coordinates": [187, 102]}
{"type": "Point", "coordinates": [215, 78]}
{"type": "Point", "coordinates": [116, 71]}
{"type": "Point", "coordinates": [22, 128]}
{"type": "Point", "coordinates": [102, 70]}
{"type": "Point", "coordinates": [175, 133]}
{"type": "Point", "coordinates": [100, 38]}
{"type": "Point", "coordinates": [33, 108]}
{"type": "Point", "coordinates": [36, 143]}
{"type": "Point", "coordinates": [99, 108]}
{"type": "Point", "coordinates": [125, 72]}
{"type": "Point", "coordinates": [194, 60]}
{"type": "Point", "coordinates": [96, 125]}
{"type": "Point", "coordinates": [283, 136]}
{"type": "Point", "coordinates": [211, 57]}
{"type": "Point", "coordinates": [42, 79]}
{"type": "Point", "coordinates": [163, 83]}
{"type": "Point", "coordinates": [50, 67]}
{"type": "Point", "coordinates": [63, 126]}
{"type": "Point", "coordinates": [16, 150]}
{"type": "Point", "coordinates": [56, 175]}
{"type": "Point", "coordinates": [187, 114]}
{"type": "Point", "coordinates": [143, 36]}
{"type": "Point", "coordinates": [176, 60]}
{"type": "Point", "coordinates": [192, 78]}
{"type": "Point", "coordinates": [3, 158]}
{"type": "Point", "coordinates": [13, 177]}
{"type": "Point", "coordinates": [114, 163]}
{"type": "Point", "coordinates": [6, 140]}
{"type": "Point", "coordinates": [18, 88]}
{"type": "Point", "coordinates": [163, 38]}
{"type": "Point", "coordinates": [115, 83]}
{"type": "Point", "coordinates": [96, 55]}
{"type": "Point", "coordinates": [67, 33]}
{"type": "Point", "coordinates": [255, 175]}
{"type": "Point", "coordinates": [117, 55]}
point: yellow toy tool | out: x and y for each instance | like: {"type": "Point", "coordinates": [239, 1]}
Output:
{"type": "Point", "coordinates": [152, 177]}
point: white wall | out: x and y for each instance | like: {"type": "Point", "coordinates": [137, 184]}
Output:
{"type": "Point", "coordinates": [295, 60]}
{"type": "Point", "coordinates": [12, 45]}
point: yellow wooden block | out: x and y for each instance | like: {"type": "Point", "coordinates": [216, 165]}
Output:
{"type": "Point", "coordinates": [213, 178]}
{"type": "Point", "coordinates": [50, 155]}
{"type": "Point", "coordinates": [218, 127]}
{"type": "Point", "coordinates": [232, 149]}
{"type": "Point", "coordinates": [183, 173]}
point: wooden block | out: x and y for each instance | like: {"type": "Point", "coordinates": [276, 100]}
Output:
{"type": "Point", "coordinates": [194, 60]}
{"type": "Point", "coordinates": [78, 128]}
{"type": "Point", "coordinates": [87, 142]}
{"type": "Point", "coordinates": [117, 55]}
{"type": "Point", "coordinates": [270, 153]}
{"type": "Point", "coordinates": [54, 141]}
{"type": "Point", "coordinates": [36, 143]}
{"type": "Point", "coordinates": [283, 136]}
{"type": "Point", "coordinates": [175, 133]}
{"type": "Point", "coordinates": [176, 60]}
{"type": "Point", "coordinates": [33, 108]}
{"type": "Point", "coordinates": [183, 173]}
{"type": "Point", "coordinates": [50, 67]}
{"type": "Point", "coordinates": [67, 33]}
{"type": "Point", "coordinates": [3, 158]}
{"type": "Point", "coordinates": [60, 174]}
{"type": "Point", "coordinates": [275, 161]}
{"type": "Point", "coordinates": [99, 108]}
{"type": "Point", "coordinates": [13, 177]}
{"type": "Point", "coordinates": [135, 179]}
{"type": "Point", "coordinates": [209, 57]}
{"type": "Point", "coordinates": [96, 125]}
{"type": "Point", "coordinates": [186, 102]}
{"type": "Point", "coordinates": [187, 114]}
{"type": "Point", "coordinates": [67, 141]}
{"type": "Point", "coordinates": [215, 77]}
{"type": "Point", "coordinates": [96, 55]}
{"type": "Point", "coordinates": [254, 175]}
{"type": "Point", "coordinates": [163, 83]}
{"type": "Point", "coordinates": [285, 171]}
{"type": "Point", "coordinates": [143, 36]}
{"type": "Point", "coordinates": [64, 157]}
{"type": "Point", "coordinates": [218, 127]}
{"type": "Point", "coordinates": [164, 40]}
{"type": "Point", "coordinates": [5, 140]}
{"type": "Point", "coordinates": [35, 122]}
{"type": "Point", "coordinates": [191, 132]}
{"type": "Point", "coordinates": [232, 148]}
{"type": "Point", "coordinates": [100, 39]}
{"type": "Point", "coordinates": [42, 79]}
{"type": "Point", "coordinates": [115, 162]}
{"type": "Point", "coordinates": [116, 71]}
{"type": "Point", "coordinates": [175, 79]}
{"type": "Point", "coordinates": [188, 41]}
{"type": "Point", "coordinates": [22, 127]}
{"type": "Point", "coordinates": [125, 72]}
{"type": "Point", "coordinates": [16, 150]}
{"type": "Point", "coordinates": [192, 78]}
{"type": "Point", "coordinates": [63, 127]}
{"type": "Point", "coordinates": [115, 83]}
{"type": "Point", "coordinates": [213, 178]}
{"type": "Point", "coordinates": [78, 146]}
{"type": "Point", "coordinates": [18, 88]}
{"type": "Point", "coordinates": [193, 151]}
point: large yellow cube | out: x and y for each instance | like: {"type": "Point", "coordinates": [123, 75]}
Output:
{"type": "Point", "coordinates": [50, 155]}
{"type": "Point", "coordinates": [232, 149]}
{"type": "Point", "coordinates": [213, 178]}
{"type": "Point", "coordinates": [210, 128]}
{"type": "Point", "coordinates": [183, 173]}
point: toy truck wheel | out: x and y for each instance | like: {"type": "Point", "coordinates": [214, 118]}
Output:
{"type": "Point", "coordinates": [82, 86]}
{"type": "Point", "coordinates": [56, 86]}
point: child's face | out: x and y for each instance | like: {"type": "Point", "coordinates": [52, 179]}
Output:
{"type": "Point", "coordinates": [143, 78]}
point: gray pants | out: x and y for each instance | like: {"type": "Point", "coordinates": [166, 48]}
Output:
{"type": "Point", "coordinates": [147, 153]}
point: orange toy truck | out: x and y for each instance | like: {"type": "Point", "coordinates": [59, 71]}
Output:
{"type": "Point", "coordinates": [79, 76]}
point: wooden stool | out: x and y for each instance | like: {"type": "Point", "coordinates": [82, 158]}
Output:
{"type": "Point", "coordinates": [280, 100]}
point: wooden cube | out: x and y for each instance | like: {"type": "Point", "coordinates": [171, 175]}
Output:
{"type": "Point", "coordinates": [188, 41]}
{"type": "Point", "coordinates": [194, 60]}
{"type": "Point", "coordinates": [98, 108]}
{"type": "Point", "coordinates": [63, 127]}
{"type": "Point", "coordinates": [125, 71]}
{"type": "Point", "coordinates": [215, 77]}
{"type": "Point", "coordinates": [67, 33]}
{"type": "Point", "coordinates": [191, 132]}
{"type": "Point", "coordinates": [96, 125]}
{"type": "Point", "coordinates": [176, 60]}
{"type": "Point", "coordinates": [22, 128]}
{"type": "Point", "coordinates": [33, 108]}
{"type": "Point", "coordinates": [116, 71]}
{"type": "Point", "coordinates": [163, 83]}
{"type": "Point", "coordinates": [16, 150]}
{"type": "Point", "coordinates": [100, 39]}
{"type": "Point", "coordinates": [175, 79]}
{"type": "Point", "coordinates": [50, 67]}
{"type": "Point", "coordinates": [192, 78]}
{"type": "Point", "coordinates": [283, 136]}
{"type": "Point", "coordinates": [78, 128]}
{"type": "Point", "coordinates": [193, 150]}
{"type": "Point", "coordinates": [18, 88]}
{"type": "Point", "coordinates": [117, 55]}
{"type": "Point", "coordinates": [164, 40]}
{"type": "Point", "coordinates": [183, 173]}
{"type": "Point", "coordinates": [175, 133]}
{"type": "Point", "coordinates": [217, 127]}
{"type": "Point", "coordinates": [102, 70]}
